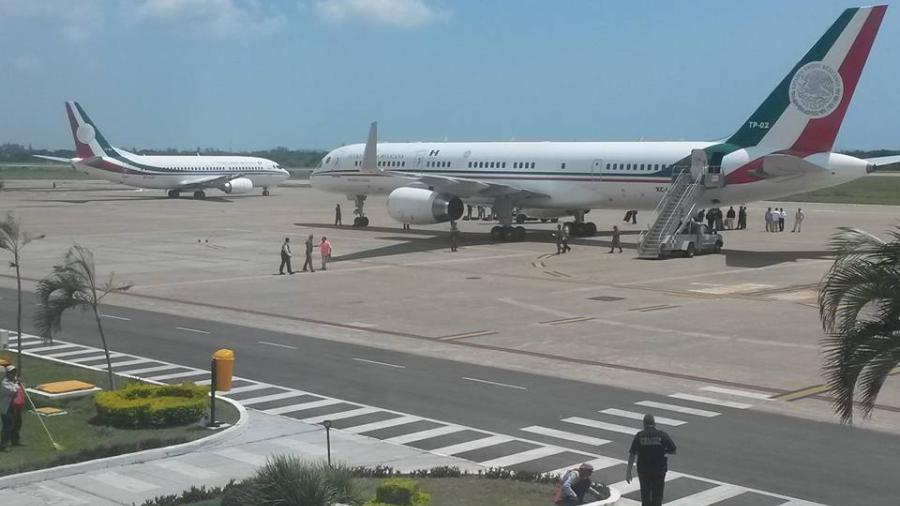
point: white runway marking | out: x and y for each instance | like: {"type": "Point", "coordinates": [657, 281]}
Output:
{"type": "Point", "coordinates": [114, 317]}
{"type": "Point", "coordinates": [568, 436]}
{"type": "Point", "coordinates": [198, 331]}
{"type": "Point", "coordinates": [185, 469]}
{"type": "Point", "coordinates": [678, 409]}
{"type": "Point", "coordinates": [710, 400]}
{"type": "Point", "coordinates": [505, 385]}
{"type": "Point", "coordinates": [740, 393]}
{"type": "Point", "coordinates": [484, 442]}
{"type": "Point", "coordinates": [278, 345]}
{"type": "Point", "coordinates": [710, 496]}
{"type": "Point", "coordinates": [640, 416]}
{"type": "Point", "coordinates": [535, 307]}
{"type": "Point", "coordinates": [379, 363]}
{"type": "Point", "coordinates": [597, 424]}
{"type": "Point", "coordinates": [161, 377]}
{"type": "Point", "coordinates": [393, 422]}
{"type": "Point", "coordinates": [341, 415]}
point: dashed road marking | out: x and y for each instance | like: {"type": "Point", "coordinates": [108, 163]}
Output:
{"type": "Point", "coordinates": [505, 385]}
{"type": "Point", "coordinates": [396, 366]}
{"type": "Point", "coordinates": [114, 317]}
{"type": "Point", "coordinates": [278, 345]}
{"type": "Point", "coordinates": [196, 331]}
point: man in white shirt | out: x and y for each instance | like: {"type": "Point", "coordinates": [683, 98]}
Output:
{"type": "Point", "coordinates": [798, 220]}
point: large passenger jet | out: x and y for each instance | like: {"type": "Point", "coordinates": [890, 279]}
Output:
{"type": "Point", "coordinates": [784, 147]}
{"type": "Point", "coordinates": [175, 174]}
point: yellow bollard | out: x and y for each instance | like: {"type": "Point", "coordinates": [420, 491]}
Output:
{"type": "Point", "coordinates": [224, 364]}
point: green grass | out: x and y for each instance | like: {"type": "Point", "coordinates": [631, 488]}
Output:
{"type": "Point", "coordinates": [474, 491]}
{"type": "Point", "coordinates": [14, 171]}
{"type": "Point", "coordinates": [868, 190]}
{"type": "Point", "coordinates": [75, 430]}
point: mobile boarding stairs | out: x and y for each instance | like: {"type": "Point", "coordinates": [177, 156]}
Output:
{"type": "Point", "coordinates": [679, 203]}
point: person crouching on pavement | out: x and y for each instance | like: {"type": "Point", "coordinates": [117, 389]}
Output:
{"type": "Point", "coordinates": [12, 403]}
{"type": "Point", "coordinates": [574, 486]}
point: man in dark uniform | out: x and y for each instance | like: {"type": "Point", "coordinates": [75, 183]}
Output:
{"type": "Point", "coordinates": [742, 218]}
{"type": "Point", "coordinates": [308, 261]}
{"type": "Point", "coordinates": [454, 235]}
{"type": "Point", "coordinates": [337, 216]}
{"type": "Point", "coordinates": [616, 240]}
{"type": "Point", "coordinates": [650, 446]}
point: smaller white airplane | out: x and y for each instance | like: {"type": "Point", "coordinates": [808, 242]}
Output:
{"type": "Point", "coordinates": [175, 174]}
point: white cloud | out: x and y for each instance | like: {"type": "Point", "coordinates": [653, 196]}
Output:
{"type": "Point", "coordinates": [219, 18]}
{"type": "Point", "coordinates": [75, 21]}
{"type": "Point", "coordinates": [402, 13]}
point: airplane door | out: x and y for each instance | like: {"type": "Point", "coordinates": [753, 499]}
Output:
{"type": "Point", "coordinates": [420, 159]}
{"type": "Point", "coordinates": [597, 170]}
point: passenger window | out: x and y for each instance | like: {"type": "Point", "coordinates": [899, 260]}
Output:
{"type": "Point", "coordinates": [562, 165]}
{"type": "Point", "coordinates": [492, 165]}
{"type": "Point", "coordinates": [504, 165]}
{"type": "Point", "coordinates": [532, 165]}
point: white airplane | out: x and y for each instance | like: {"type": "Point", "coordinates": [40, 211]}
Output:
{"type": "Point", "coordinates": [175, 174]}
{"type": "Point", "coordinates": [783, 148]}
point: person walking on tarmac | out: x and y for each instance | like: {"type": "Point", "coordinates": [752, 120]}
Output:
{"type": "Point", "coordinates": [558, 237]}
{"type": "Point", "coordinates": [12, 403]}
{"type": "Point", "coordinates": [309, 248]}
{"type": "Point", "coordinates": [285, 256]}
{"type": "Point", "coordinates": [565, 239]}
{"type": "Point", "coordinates": [337, 216]}
{"type": "Point", "coordinates": [616, 240]}
{"type": "Point", "coordinates": [650, 446]}
{"type": "Point", "coordinates": [574, 485]}
{"type": "Point", "coordinates": [325, 250]}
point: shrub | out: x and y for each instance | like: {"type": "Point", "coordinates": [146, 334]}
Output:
{"type": "Point", "coordinates": [400, 491]}
{"type": "Point", "coordinates": [138, 406]}
{"type": "Point", "coordinates": [288, 480]}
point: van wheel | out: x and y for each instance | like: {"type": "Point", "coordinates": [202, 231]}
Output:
{"type": "Point", "coordinates": [690, 251]}
{"type": "Point", "coordinates": [520, 218]}
{"type": "Point", "coordinates": [718, 247]}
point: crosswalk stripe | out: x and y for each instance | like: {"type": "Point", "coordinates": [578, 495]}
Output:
{"type": "Point", "coordinates": [129, 362]}
{"type": "Point", "coordinates": [341, 416]}
{"type": "Point", "coordinates": [526, 456]}
{"type": "Point", "coordinates": [740, 393]}
{"type": "Point", "coordinates": [626, 488]}
{"type": "Point", "coordinates": [300, 407]}
{"type": "Point", "coordinates": [71, 353]}
{"type": "Point", "coordinates": [184, 468]}
{"type": "Point", "coordinates": [709, 496]}
{"type": "Point", "coordinates": [639, 416]}
{"type": "Point", "coordinates": [52, 348]}
{"type": "Point", "coordinates": [122, 482]}
{"type": "Point", "coordinates": [58, 496]}
{"type": "Point", "coordinates": [472, 445]}
{"type": "Point", "coordinates": [711, 400]}
{"type": "Point", "coordinates": [393, 422]}
{"type": "Point", "coordinates": [204, 382]}
{"type": "Point", "coordinates": [94, 357]}
{"type": "Point", "coordinates": [425, 434]}
{"type": "Point", "coordinates": [597, 424]}
{"type": "Point", "coordinates": [597, 464]}
{"type": "Point", "coordinates": [568, 436]}
{"type": "Point", "coordinates": [273, 397]}
{"type": "Point", "coordinates": [195, 372]}
{"type": "Point", "coordinates": [150, 369]}
{"type": "Point", "coordinates": [245, 388]}
{"type": "Point", "coordinates": [678, 409]}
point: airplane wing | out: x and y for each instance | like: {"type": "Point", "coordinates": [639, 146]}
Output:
{"type": "Point", "coordinates": [465, 187]}
{"type": "Point", "coordinates": [885, 162]}
{"type": "Point", "coordinates": [55, 159]}
{"type": "Point", "coordinates": [206, 182]}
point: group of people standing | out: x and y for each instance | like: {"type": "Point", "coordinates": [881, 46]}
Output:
{"type": "Point", "coordinates": [286, 254]}
{"type": "Point", "coordinates": [716, 220]}
{"type": "Point", "coordinates": [775, 218]}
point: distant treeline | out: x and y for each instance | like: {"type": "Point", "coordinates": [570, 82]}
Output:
{"type": "Point", "coordinates": [289, 158]}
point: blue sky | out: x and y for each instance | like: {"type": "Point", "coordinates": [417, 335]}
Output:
{"type": "Point", "coordinates": [244, 75]}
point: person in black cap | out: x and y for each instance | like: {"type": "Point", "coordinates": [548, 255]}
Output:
{"type": "Point", "coordinates": [12, 402]}
{"type": "Point", "coordinates": [650, 446]}
{"type": "Point", "coordinates": [574, 485]}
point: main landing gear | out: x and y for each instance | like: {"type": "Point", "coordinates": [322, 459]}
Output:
{"type": "Point", "coordinates": [581, 229]}
{"type": "Point", "coordinates": [360, 220]}
{"type": "Point", "coordinates": [199, 194]}
{"type": "Point", "coordinates": [507, 233]}
{"type": "Point", "coordinates": [173, 194]}
{"type": "Point", "coordinates": [265, 191]}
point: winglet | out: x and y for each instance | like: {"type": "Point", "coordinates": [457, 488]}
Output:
{"type": "Point", "coordinates": [370, 155]}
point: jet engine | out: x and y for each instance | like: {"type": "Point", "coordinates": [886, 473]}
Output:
{"type": "Point", "coordinates": [238, 185]}
{"type": "Point", "coordinates": [418, 206]}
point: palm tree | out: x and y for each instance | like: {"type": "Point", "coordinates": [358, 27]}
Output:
{"type": "Point", "coordinates": [859, 305]}
{"type": "Point", "coordinates": [74, 284]}
{"type": "Point", "coordinates": [13, 239]}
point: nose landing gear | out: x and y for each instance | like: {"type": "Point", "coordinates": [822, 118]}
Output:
{"type": "Point", "coordinates": [361, 220]}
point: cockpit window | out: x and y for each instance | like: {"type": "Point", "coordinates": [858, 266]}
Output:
{"type": "Point", "coordinates": [327, 159]}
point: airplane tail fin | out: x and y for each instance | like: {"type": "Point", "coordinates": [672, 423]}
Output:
{"type": "Point", "coordinates": [804, 113]}
{"type": "Point", "coordinates": [89, 142]}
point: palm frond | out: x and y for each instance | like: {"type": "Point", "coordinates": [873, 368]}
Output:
{"type": "Point", "coordinates": [56, 293]}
